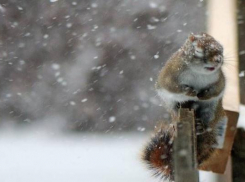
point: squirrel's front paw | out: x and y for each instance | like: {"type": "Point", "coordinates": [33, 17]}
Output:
{"type": "Point", "coordinates": [190, 91]}
{"type": "Point", "coordinates": [204, 94]}
{"type": "Point", "coordinates": [200, 128]}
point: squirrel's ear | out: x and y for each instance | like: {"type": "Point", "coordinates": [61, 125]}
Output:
{"type": "Point", "coordinates": [205, 34]}
{"type": "Point", "coordinates": [192, 37]}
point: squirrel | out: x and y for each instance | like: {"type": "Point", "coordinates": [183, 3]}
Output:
{"type": "Point", "coordinates": [192, 75]}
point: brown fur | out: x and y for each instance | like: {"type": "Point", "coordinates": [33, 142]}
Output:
{"type": "Point", "coordinates": [169, 75]}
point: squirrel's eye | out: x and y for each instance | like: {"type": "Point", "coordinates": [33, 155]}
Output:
{"type": "Point", "coordinates": [197, 57]}
{"type": "Point", "coordinates": [205, 59]}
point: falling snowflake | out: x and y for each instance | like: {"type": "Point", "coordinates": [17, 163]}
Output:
{"type": "Point", "coordinates": [153, 5]}
{"type": "Point", "coordinates": [55, 66]}
{"type": "Point", "coordinates": [69, 25]}
{"type": "Point", "coordinates": [151, 27]}
{"type": "Point", "coordinates": [45, 36]}
{"type": "Point", "coordinates": [84, 100]}
{"type": "Point", "coordinates": [156, 56]}
{"type": "Point", "coordinates": [112, 119]}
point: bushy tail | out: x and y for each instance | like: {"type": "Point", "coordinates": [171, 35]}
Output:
{"type": "Point", "coordinates": [158, 152]}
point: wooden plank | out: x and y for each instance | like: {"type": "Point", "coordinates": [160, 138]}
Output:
{"type": "Point", "coordinates": [218, 162]}
{"type": "Point", "coordinates": [222, 25]}
{"type": "Point", "coordinates": [185, 148]}
{"type": "Point", "coordinates": [214, 177]}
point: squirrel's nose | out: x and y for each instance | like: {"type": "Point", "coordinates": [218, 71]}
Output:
{"type": "Point", "coordinates": [217, 59]}
{"type": "Point", "coordinates": [205, 60]}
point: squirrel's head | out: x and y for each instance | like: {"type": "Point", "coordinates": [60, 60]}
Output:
{"type": "Point", "coordinates": [205, 54]}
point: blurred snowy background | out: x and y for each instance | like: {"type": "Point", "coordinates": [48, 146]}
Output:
{"type": "Point", "coordinates": [91, 64]}
{"type": "Point", "coordinates": [75, 76]}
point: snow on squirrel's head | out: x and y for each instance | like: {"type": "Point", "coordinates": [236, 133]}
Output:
{"type": "Point", "coordinates": [205, 54]}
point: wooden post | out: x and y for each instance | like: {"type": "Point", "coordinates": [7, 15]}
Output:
{"type": "Point", "coordinates": [185, 164]}
{"type": "Point", "coordinates": [222, 25]}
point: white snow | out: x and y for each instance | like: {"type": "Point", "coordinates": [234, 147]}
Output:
{"type": "Point", "coordinates": [39, 157]}
{"type": "Point", "coordinates": [84, 100]}
{"type": "Point", "coordinates": [241, 74]}
{"type": "Point", "coordinates": [20, 8]}
{"type": "Point", "coordinates": [64, 83]}
{"type": "Point", "coordinates": [182, 152]}
{"type": "Point", "coordinates": [112, 119]}
{"type": "Point", "coordinates": [242, 52]}
{"type": "Point", "coordinates": [69, 25]}
{"type": "Point", "coordinates": [22, 62]}
{"type": "Point", "coordinates": [241, 120]}
{"type": "Point", "coordinates": [154, 19]}
{"type": "Point", "coordinates": [133, 57]}
{"type": "Point", "coordinates": [153, 5]}
{"type": "Point", "coordinates": [21, 45]}
{"type": "Point", "coordinates": [45, 36]}
{"type": "Point", "coordinates": [55, 66]}
{"type": "Point", "coordinates": [156, 56]}
{"type": "Point", "coordinates": [60, 80]}
{"type": "Point", "coordinates": [27, 34]}
{"type": "Point", "coordinates": [2, 9]}
{"type": "Point", "coordinates": [151, 27]}
{"type": "Point", "coordinates": [141, 128]}
{"type": "Point", "coordinates": [94, 5]}
{"type": "Point", "coordinates": [72, 103]}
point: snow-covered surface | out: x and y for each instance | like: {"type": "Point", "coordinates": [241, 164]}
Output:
{"type": "Point", "coordinates": [42, 157]}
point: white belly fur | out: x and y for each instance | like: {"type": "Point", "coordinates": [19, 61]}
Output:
{"type": "Point", "coordinates": [173, 97]}
{"type": "Point", "coordinates": [195, 80]}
